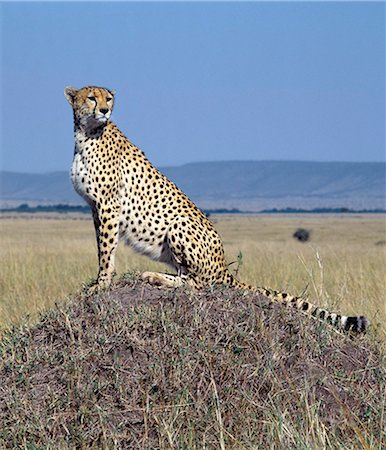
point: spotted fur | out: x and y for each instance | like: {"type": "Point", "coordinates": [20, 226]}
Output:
{"type": "Point", "coordinates": [131, 200]}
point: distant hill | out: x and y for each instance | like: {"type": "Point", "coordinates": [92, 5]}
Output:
{"type": "Point", "coordinates": [245, 185]}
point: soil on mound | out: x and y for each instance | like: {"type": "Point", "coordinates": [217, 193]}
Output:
{"type": "Point", "coordinates": [143, 367]}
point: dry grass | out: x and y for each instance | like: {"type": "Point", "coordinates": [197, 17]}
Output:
{"type": "Point", "coordinates": [342, 267]}
{"type": "Point", "coordinates": [44, 259]}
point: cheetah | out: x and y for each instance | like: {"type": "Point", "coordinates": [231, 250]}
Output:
{"type": "Point", "coordinates": [132, 201]}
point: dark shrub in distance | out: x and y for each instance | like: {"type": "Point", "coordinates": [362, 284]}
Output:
{"type": "Point", "coordinates": [302, 235]}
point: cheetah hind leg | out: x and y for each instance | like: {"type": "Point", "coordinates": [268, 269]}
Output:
{"type": "Point", "coordinates": [164, 279]}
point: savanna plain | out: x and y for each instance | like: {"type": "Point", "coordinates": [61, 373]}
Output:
{"type": "Point", "coordinates": [138, 367]}
{"type": "Point", "coordinates": [342, 266]}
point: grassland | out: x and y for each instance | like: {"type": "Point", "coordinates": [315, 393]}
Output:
{"type": "Point", "coordinates": [343, 266]}
{"type": "Point", "coordinates": [138, 367]}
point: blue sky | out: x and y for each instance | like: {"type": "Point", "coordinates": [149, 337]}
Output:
{"type": "Point", "coordinates": [197, 81]}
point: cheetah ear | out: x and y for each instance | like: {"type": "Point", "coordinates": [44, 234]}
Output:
{"type": "Point", "coordinates": [113, 92]}
{"type": "Point", "coordinates": [70, 94]}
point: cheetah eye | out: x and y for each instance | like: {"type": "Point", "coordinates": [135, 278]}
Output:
{"type": "Point", "coordinates": [108, 99]}
{"type": "Point", "coordinates": [92, 98]}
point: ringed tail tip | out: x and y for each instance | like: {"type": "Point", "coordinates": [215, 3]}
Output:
{"type": "Point", "coordinates": [355, 323]}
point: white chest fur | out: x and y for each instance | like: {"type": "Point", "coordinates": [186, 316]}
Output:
{"type": "Point", "coordinates": [79, 174]}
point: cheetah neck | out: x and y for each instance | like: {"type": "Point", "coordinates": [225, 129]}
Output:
{"type": "Point", "coordinates": [90, 129]}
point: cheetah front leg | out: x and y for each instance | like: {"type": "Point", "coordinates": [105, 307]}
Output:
{"type": "Point", "coordinates": [97, 229]}
{"type": "Point", "coordinates": [106, 222]}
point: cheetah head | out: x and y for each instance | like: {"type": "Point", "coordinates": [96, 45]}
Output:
{"type": "Point", "coordinates": [92, 105]}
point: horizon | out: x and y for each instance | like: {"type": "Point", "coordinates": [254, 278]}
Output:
{"type": "Point", "coordinates": [197, 81]}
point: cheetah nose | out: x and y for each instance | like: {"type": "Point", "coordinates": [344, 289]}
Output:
{"type": "Point", "coordinates": [104, 110]}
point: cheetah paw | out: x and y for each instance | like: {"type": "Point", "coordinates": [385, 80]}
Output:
{"type": "Point", "coordinates": [96, 288]}
{"type": "Point", "coordinates": [152, 278]}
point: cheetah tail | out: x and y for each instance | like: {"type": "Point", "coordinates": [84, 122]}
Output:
{"type": "Point", "coordinates": [346, 323]}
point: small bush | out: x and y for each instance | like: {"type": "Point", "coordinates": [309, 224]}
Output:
{"type": "Point", "coordinates": [302, 235]}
